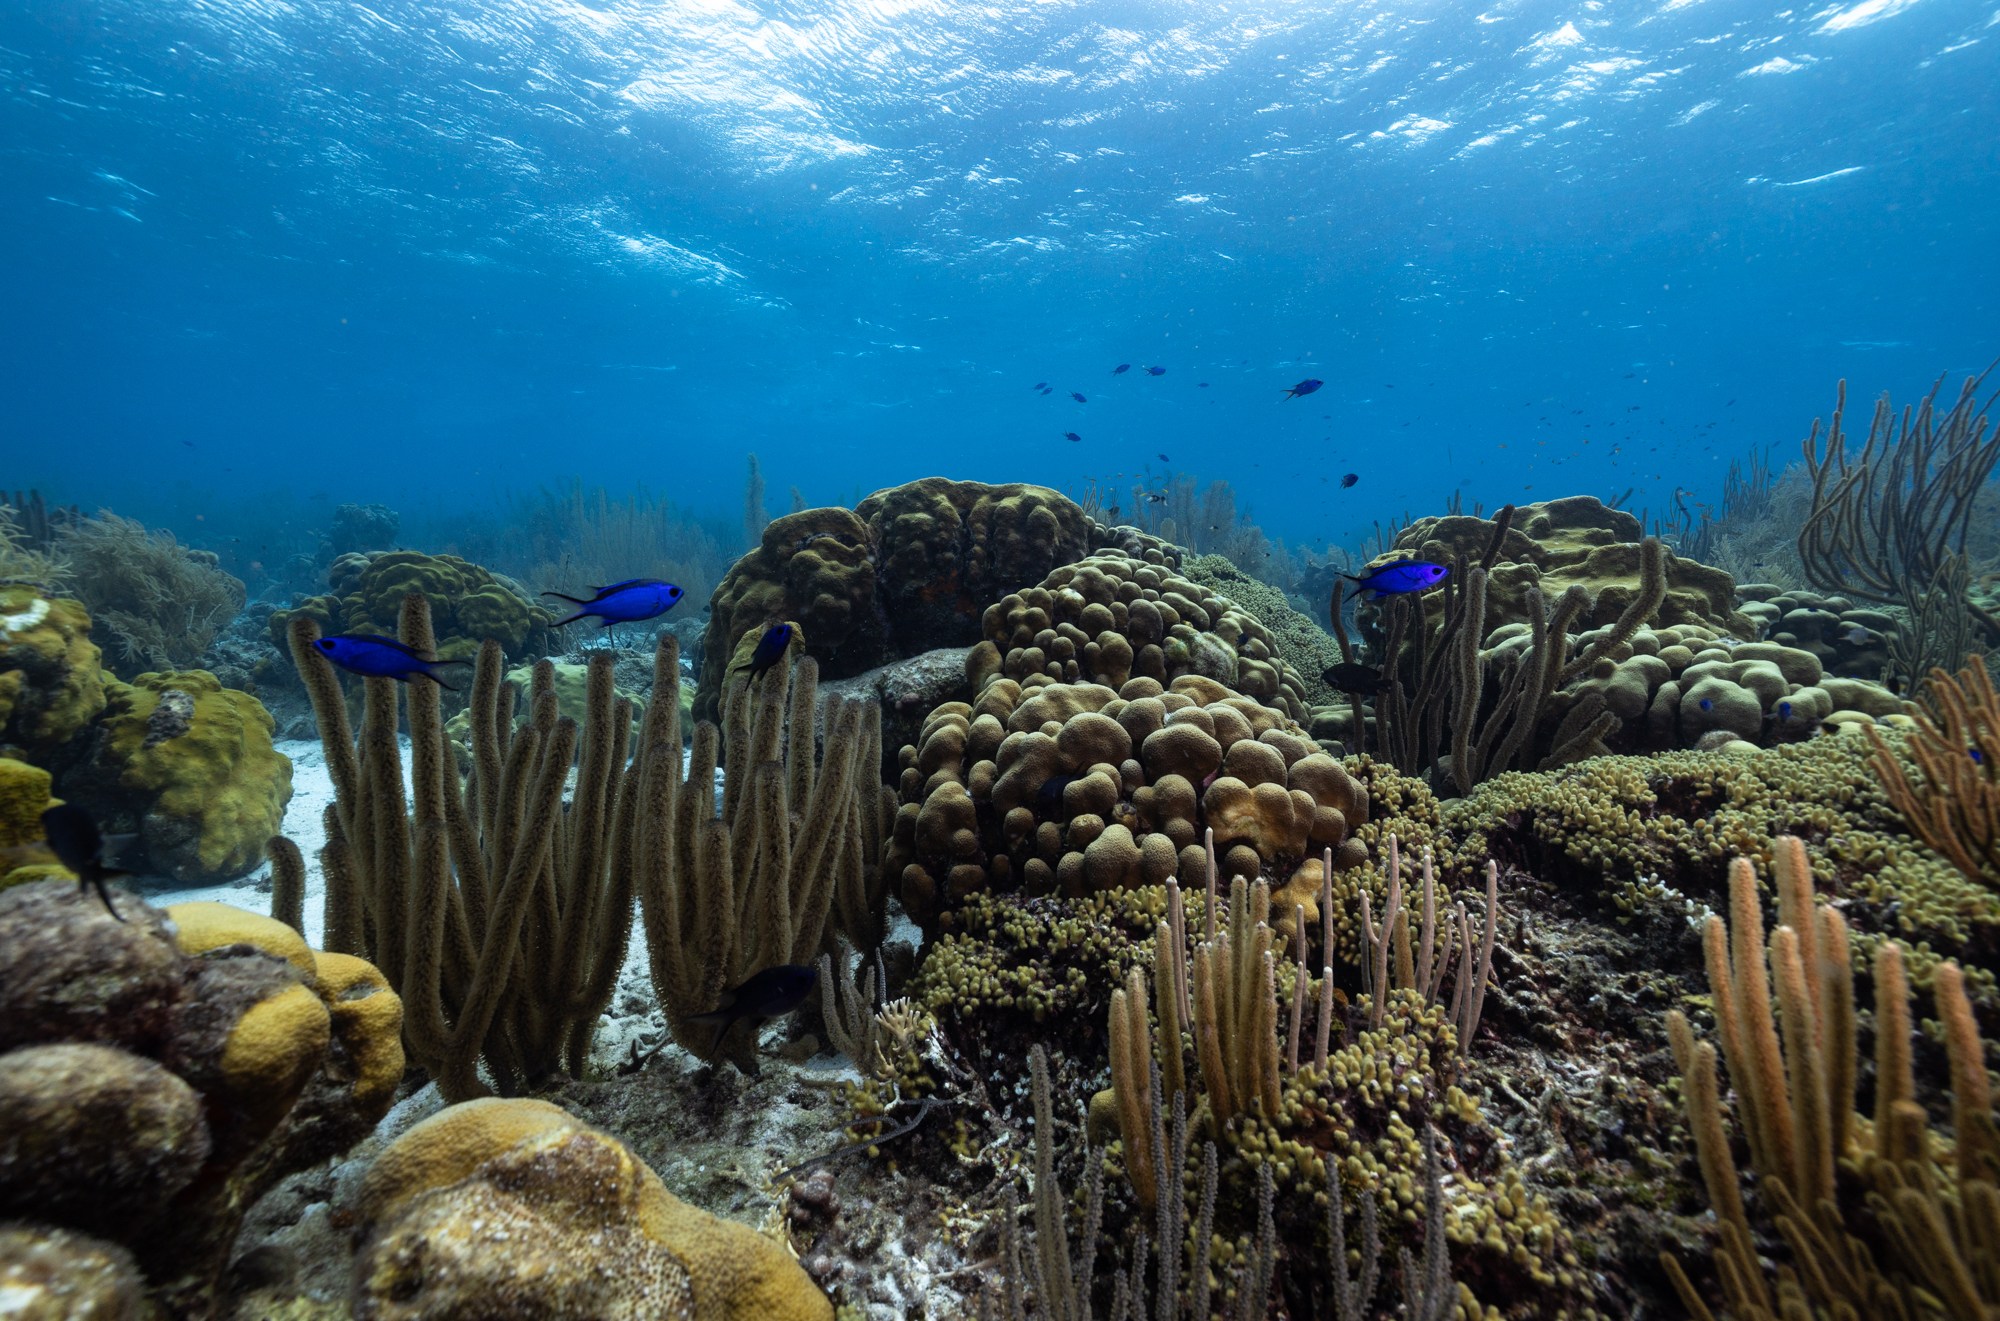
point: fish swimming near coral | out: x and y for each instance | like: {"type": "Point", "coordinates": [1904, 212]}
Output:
{"type": "Point", "coordinates": [375, 657]}
{"type": "Point", "coordinates": [772, 993]}
{"type": "Point", "coordinates": [623, 603]}
{"type": "Point", "coordinates": [1352, 677]}
{"type": "Point", "coordinates": [75, 840]}
{"type": "Point", "coordinates": [1305, 387]}
{"type": "Point", "coordinates": [771, 649]}
{"type": "Point", "coordinates": [1399, 578]}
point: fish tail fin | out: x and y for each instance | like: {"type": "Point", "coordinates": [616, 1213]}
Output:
{"type": "Point", "coordinates": [448, 687]}
{"type": "Point", "coordinates": [565, 596]}
{"type": "Point", "coordinates": [564, 623]}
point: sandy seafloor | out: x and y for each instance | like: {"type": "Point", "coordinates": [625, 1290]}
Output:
{"type": "Point", "coordinates": [714, 1136]}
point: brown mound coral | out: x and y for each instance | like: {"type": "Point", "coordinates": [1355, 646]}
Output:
{"type": "Point", "coordinates": [469, 603]}
{"type": "Point", "coordinates": [151, 1090]}
{"type": "Point", "coordinates": [1116, 616]}
{"type": "Point", "coordinates": [907, 570]}
{"type": "Point", "coordinates": [1083, 787]}
{"type": "Point", "coordinates": [1577, 539]}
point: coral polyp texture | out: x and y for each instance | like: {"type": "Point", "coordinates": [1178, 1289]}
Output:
{"type": "Point", "coordinates": [1574, 540]}
{"type": "Point", "coordinates": [469, 603]}
{"type": "Point", "coordinates": [160, 1070]}
{"type": "Point", "coordinates": [1080, 787]}
{"type": "Point", "coordinates": [515, 1210]}
{"type": "Point", "coordinates": [1117, 616]}
{"type": "Point", "coordinates": [51, 674]}
{"type": "Point", "coordinates": [907, 570]}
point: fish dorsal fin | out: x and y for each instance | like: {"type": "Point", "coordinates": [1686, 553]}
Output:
{"type": "Point", "coordinates": [609, 588]}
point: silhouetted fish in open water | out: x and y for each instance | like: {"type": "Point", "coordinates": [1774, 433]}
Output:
{"type": "Point", "coordinates": [1121, 367]}
{"type": "Point", "coordinates": [1079, 398]}
{"type": "Point", "coordinates": [73, 837]}
{"type": "Point", "coordinates": [623, 603]}
{"type": "Point", "coordinates": [1304, 387]}
{"type": "Point", "coordinates": [772, 993]}
{"type": "Point", "coordinates": [1349, 479]}
{"type": "Point", "coordinates": [771, 649]}
{"type": "Point", "coordinates": [1398, 578]}
{"type": "Point", "coordinates": [376, 657]}
{"type": "Point", "coordinates": [1071, 436]}
{"type": "Point", "coordinates": [1156, 371]}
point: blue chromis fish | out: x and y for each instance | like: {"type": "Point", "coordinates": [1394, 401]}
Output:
{"type": "Point", "coordinates": [1156, 371]}
{"type": "Point", "coordinates": [623, 603]}
{"type": "Point", "coordinates": [1121, 367]}
{"type": "Point", "coordinates": [1078, 397]}
{"type": "Point", "coordinates": [1398, 578]}
{"type": "Point", "coordinates": [1071, 436]}
{"type": "Point", "coordinates": [376, 657]}
{"type": "Point", "coordinates": [772, 993]}
{"type": "Point", "coordinates": [771, 649]}
{"type": "Point", "coordinates": [1349, 479]}
{"type": "Point", "coordinates": [73, 837]}
{"type": "Point", "coordinates": [1307, 386]}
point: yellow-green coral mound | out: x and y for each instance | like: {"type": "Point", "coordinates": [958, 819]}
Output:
{"type": "Point", "coordinates": [907, 571]}
{"type": "Point", "coordinates": [515, 1209]}
{"type": "Point", "coordinates": [1299, 642]}
{"type": "Point", "coordinates": [1116, 616]}
{"type": "Point", "coordinates": [192, 763]}
{"type": "Point", "coordinates": [469, 603]}
{"type": "Point", "coordinates": [51, 673]}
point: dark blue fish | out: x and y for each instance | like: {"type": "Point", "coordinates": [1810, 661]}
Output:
{"type": "Point", "coordinates": [623, 603]}
{"type": "Point", "coordinates": [73, 837]}
{"type": "Point", "coordinates": [1165, 459]}
{"type": "Point", "coordinates": [1071, 436]}
{"type": "Point", "coordinates": [377, 657]}
{"type": "Point", "coordinates": [1048, 390]}
{"type": "Point", "coordinates": [1349, 479]}
{"type": "Point", "coordinates": [1052, 788]}
{"type": "Point", "coordinates": [1042, 385]}
{"type": "Point", "coordinates": [771, 649]}
{"type": "Point", "coordinates": [1121, 367]}
{"type": "Point", "coordinates": [1156, 371]}
{"type": "Point", "coordinates": [772, 993]}
{"type": "Point", "coordinates": [1398, 578]}
{"type": "Point", "coordinates": [1307, 386]}
{"type": "Point", "coordinates": [1707, 703]}
{"type": "Point", "coordinates": [1353, 677]}
{"type": "Point", "coordinates": [1201, 385]}
{"type": "Point", "coordinates": [1978, 757]}
{"type": "Point", "coordinates": [1079, 398]}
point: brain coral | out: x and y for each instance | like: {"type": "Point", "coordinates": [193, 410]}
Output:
{"type": "Point", "coordinates": [51, 675]}
{"type": "Point", "coordinates": [1577, 539]}
{"type": "Point", "coordinates": [514, 1209]}
{"type": "Point", "coordinates": [192, 763]}
{"type": "Point", "coordinates": [150, 1091]}
{"type": "Point", "coordinates": [1114, 617]}
{"type": "Point", "coordinates": [1083, 787]}
{"type": "Point", "coordinates": [907, 570]}
{"type": "Point", "coordinates": [469, 604]}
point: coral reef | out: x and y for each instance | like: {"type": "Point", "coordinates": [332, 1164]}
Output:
{"type": "Point", "coordinates": [515, 1209]}
{"type": "Point", "coordinates": [1850, 640]}
{"type": "Point", "coordinates": [1298, 641]}
{"type": "Point", "coordinates": [470, 604]}
{"type": "Point", "coordinates": [24, 796]}
{"type": "Point", "coordinates": [907, 570]}
{"type": "Point", "coordinates": [154, 1081]}
{"type": "Point", "coordinates": [154, 604]}
{"type": "Point", "coordinates": [190, 764]}
{"type": "Point", "coordinates": [51, 675]}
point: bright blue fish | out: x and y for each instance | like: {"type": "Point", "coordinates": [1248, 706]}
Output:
{"type": "Point", "coordinates": [376, 657]}
{"type": "Point", "coordinates": [771, 649]}
{"type": "Point", "coordinates": [1307, 386]}
{"type": "Point", "coordinates": [624, 603]}
{"type": "Point", "coordinates": [1398, 578]}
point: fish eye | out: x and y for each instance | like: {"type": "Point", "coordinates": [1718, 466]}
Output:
{"type": "Point", "coordinates": [324, 644]}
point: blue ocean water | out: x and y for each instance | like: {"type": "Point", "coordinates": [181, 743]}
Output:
{"type": "Point", "coordinates": [426, 253]}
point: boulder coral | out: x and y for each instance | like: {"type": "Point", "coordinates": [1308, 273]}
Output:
{"type": "Point", "coordinates": [160, 1070]}
{"type": "Point", "coordinates": [1116, 616]}
{"type": "Point", "coordinates": [51, 674]}
{"type": "Point", "coordinates": [1851, 641]}
{"type": "Point", "coordinates": [1577, 539]}
{"type": "Point", "coordinates": [506, 1209]}
{"type": "Point", "coordinates": [1080, 787]}
{"type": "Point", "coordinates": [192, 764]}
{"type": "Point", "coordinates": [24, 796]}
{"type": "Point", "coordinates": [907, 570]}
{"type": "Point", "coordinates": [469, 603]}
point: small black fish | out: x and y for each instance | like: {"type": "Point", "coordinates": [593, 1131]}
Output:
{"type": "Point", "coordinates": [772, 993]}
{"type": "Point", "coordinates": [771, 649]}
{"type": "Point", "coordinates": [1156, 371]}
{"type": "Point", "coordinates": [1165, 459]}
{"type": "Point", "coordinates": [1201, 385]}
{"type": "Point", "coordinates": [1042, 385]}
{"type": "Point", "coordinates": [1349, 479]}
{"type": "Point", "coordinates": [1349, 677]}
{"type": "Point", "coordinates": [1071, 436]}
{"type": "Point", "coordinates": [1079, 398]}
{"type": "Point", "coordinates": [73, 837]}
{"type": "Point", "coordinates": [1121, 367]}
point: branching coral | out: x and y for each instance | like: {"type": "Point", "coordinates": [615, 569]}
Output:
{"type": "Point", "coordinates": [155, 605]}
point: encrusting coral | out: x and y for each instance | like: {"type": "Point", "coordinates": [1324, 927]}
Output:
{"type": "Point", "coordinates": [512, 1210]}
{"type": "Point", "coordinates": [157, 1077]}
